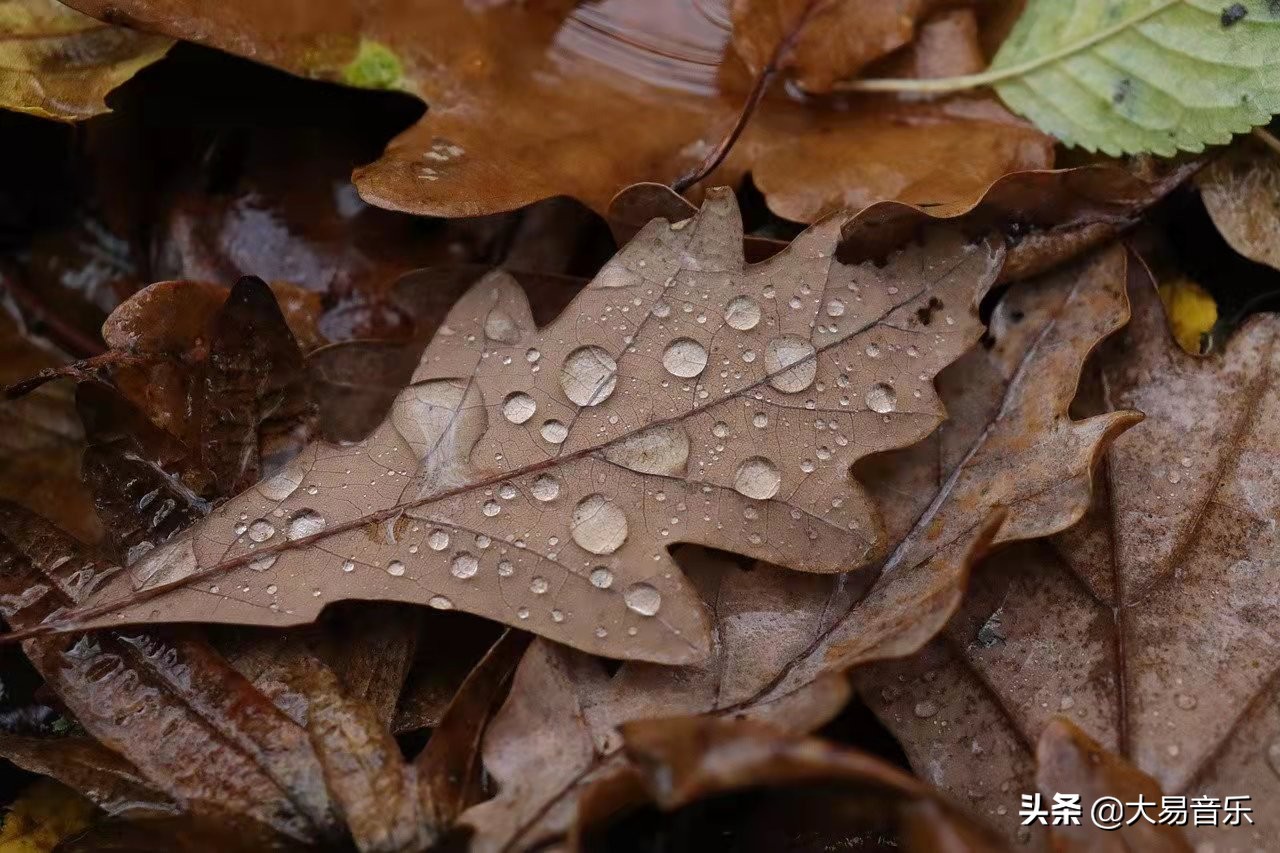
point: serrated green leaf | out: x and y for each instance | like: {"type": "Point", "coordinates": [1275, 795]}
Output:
{"type": "Point", "coordinates": [1131, 76]}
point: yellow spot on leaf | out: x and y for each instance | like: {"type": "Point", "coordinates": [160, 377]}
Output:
{"type": "Point", "coordinates": [42, 816]}
{"type": "Point", "coordinates": [1191, 311]}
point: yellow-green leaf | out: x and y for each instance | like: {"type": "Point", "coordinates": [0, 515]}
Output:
{"type": "Point", "coordinates": [57, 63]}
{"type": "Point", "coordinates": [1130, 76]}
{"type": "Point", "coordinates": [43, 815]}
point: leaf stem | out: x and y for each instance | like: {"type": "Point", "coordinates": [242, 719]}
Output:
{"type": "Point", "coordinates": [943, 85]}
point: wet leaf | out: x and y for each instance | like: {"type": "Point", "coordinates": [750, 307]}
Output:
{"type": "Point", "coordinates": [1241, 191]}
{"type": "Point", "coordinates": [103, 777]}
{"type": "Point", "coordinates": [537, 477]}
{"type": "Point", "coordinates": [1148, 624]}
{"type": "Point", "coordinates": [57, 63]}
{"type": "Point", "coordinates": [646, 82]}
{"type": "Point", "coordinates": [1010, 457]}
{"type": "Point", "coordinates": [42, 816]}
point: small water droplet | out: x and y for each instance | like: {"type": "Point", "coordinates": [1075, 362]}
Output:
{"type": "Point", "coordinates": [757, 478]}
{"type": "Point", "coordinates": [261, 564]}
{"type": "Point", "coordinates": [642, 598]}
{"type": "Point", "coordinates": [742, 313]}
{"type": "Point", "coordinates": [835, 308]}
{"type": "Point", "coordinates": [546, 488]}
{"type": "Point", "coordinates": [438, 540]}
{"type": "Point", "coordinates": [261, 530]}
{"type": "Point", "coordinates": [791, 363]}
{"type": "Point", "coordinates": [1186, 701]}
{"type": "Point", "coordinates": [720, 429]}
{"type": "Point", "coordinates": [491, 508]}
{"type": "Point", "coordinates": [881, 398]}
{"type": "Point", "coordinates": [439, 602]}
{"type": "Point", "coordinates": [395, 568]}
{"type": "Point", "coordinates": [555, 432]}
{"type": "Point", "coordinates": [601, 578]}
{"type": "Point", "coordinates": [925, 709]}
{"type": "Point", "coordinates": [685, 358]}
{"type": "Point", "coordinates": [348, 566]}
{"type": "Point", "coordinates": [588, 376]}
{"type": "Point", "coordinates": [602, 632]}
{"type": "Point", "coordinates": [272, 589]}
{"type": "Point", "coordinates": [506, 569]}
{"type": "Point", "coordinates": [873, 350]}
{"type": "Point", "coordinates": [557, 616]}
{"type": "Point", "coordinates": [539, 585]}
{"type": "Point", "coordinates": [304, 522]}
{"type": "Point", "coordinates": [761, 420]}
{"type": "Point", "coordinates": [598, 525]}
{"type": "Point", "coordinates": [464, 565]}
{"type": "Point", "coordinates": [518, 407]}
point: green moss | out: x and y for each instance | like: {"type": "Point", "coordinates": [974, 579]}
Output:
{"type": "Point", "coordinates": [375, 66]}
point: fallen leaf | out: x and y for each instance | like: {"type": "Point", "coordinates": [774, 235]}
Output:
{"type": "Point", "coordinates": [604, 96]}
{"type": "Point", "coordinates": [1241, 191]}
{"type": "Point", "coordinates": [44, 814]}
{"type": "Point", "coordinates": [857, 796]}
{"type": "Point", "coordinates": [57, 63]}
{"type": "Point", "coordinates": [785, 640]}
{"type": "Point", "coordinates": [1148, 623]}
{"type": "Point", "coordinates": [531, 476]}
{"type": "Point", "coordinates": [1070, 762]}
{"type": "Point", "coordinates": [93, 771]}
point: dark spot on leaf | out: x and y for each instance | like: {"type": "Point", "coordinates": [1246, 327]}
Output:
{"type": "Point", "coordinates": [1123, 89]}
{"type": "Point", "coordinates": [1234, 14]}
{"type": "Point", "coordinates": [925, 313]}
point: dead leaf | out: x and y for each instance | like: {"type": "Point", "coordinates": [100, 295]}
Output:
{"type": "Point", "coordinates": [686, 760]}
{"type": "Point", "coordinates": [784, 640]}
{"type": "Point", "coordinates": [95, 772]}
{"type": "Point", "coordinates": [190, 724]}
{"type": "Point", "coordinates": [43, 815]}
{"type": "Point", "coordinates": [1148, 623]}
{"type": "Point", "coordinates": [592, 101]}
{"type": "Point", "coordinates": [1241, 191]}
{"type": "Point", "coordinates": [532, 476]}
{"type": "Point", "coordinates": [1070, 762]}
{"type": "Point", "coordinates": [57, 63]}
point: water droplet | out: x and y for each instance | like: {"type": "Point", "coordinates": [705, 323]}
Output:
{"type": "Point", "coordinates": [348, 566]}
{"type": "Point", "coordinates": [661, 310]}
{"type": "Point", "coordinates": [266, 561]}
{"type": "Point", "coordinates": [757, 478]}
{"type": "Point", "coordinates": [522, 612]}
{"type": "Point", "coordinates": [439, 602]}
{"type": "Point", "coordinates": [601, 577]}
{"type": "Point", "coordinates": [926, 709]}
{"type": "Point", "coordinates": [555, 432]}
{"type": "Point", "coordinates": [662, 450]}
{"type": "Point", "coordinates": [1186, 701]}
{"type": "Point", "coordinates": [499, 326]}
{"type": "Point", "coordinates": [780, 356]}
{"type": "Point", "coordinates": [557, 616]}
{"type": "Point", "coordinates": [642, 598]}
{"type": "Point", "coordinates": [881, 398]}
{"type": "Point", "coordinates": [272, 589]}
{"type": "Point", "coordinates": [873, 350]}
{"type": "Point", "coordinates": [598, 525]}
{"type": "Point", "coordinates": [304, 522]}
{"type": "Point", "coordinates": [282, 485]}
{"type": "Point", "coordinates": [518, 407]}
{"type": "Point", "coordinates": [464, 566]}
{"type": "Point", "coordinates": [261, 530]}
{"type": "Point", "coordinates": [761, 420]}
{"type": "Point", "coordinates": [508, 492]}
{"type": "Point", "coordinates": [588, 377]}
{"type": "Point", "coordinates": [720, 429]}
{"type": "Point", "coordinates": [546, 488]}
{"type": "Point", "coordinates": [506, 569]}
{"type": "Point", "coordinates": [602, 632]}
{"type": "Point", "coordinates": [835, 308]}
{"type": "Point", "coordinates": [438, 540]}
{"type": "Point", "coordinates": [685, 358]}
{"type": "Point", "coordinates": [491, 508]}
{"type": "Point", "coordinates": [395, 568]}
{"type": "Point", "coordinates": [539, 585]}
{"type": "Point", "coordinates": [742, 313]}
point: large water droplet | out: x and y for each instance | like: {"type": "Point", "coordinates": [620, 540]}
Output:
{"type": "Point", "coordinates": [395, 568]}
{"type": "Point", "coordinates": [881, 398]}
{"type": "Point", "coordinates": [685, 358]}
{"type": "Point", "coordinates": [261, 530]}
{"type": "Point", "coordinates": [664, 449]}
{"type": "Point", "coordinates": [780, 356]}
{"type": "Point", "coordinates": [588, 376]}
{"type": "Point", "coordinates": [499, 326]}
{"type": "Point", "coordinates": [304, 522]}
{"type": "Point", "coordinates": [546, 488]}
{"type": "Point", "coordinates": [598, 525]}
{"type": "Point", "coordinates": [742, 313]}
{"type": "Point", "coordinates": [518, 407]}
{"type": "Point", "coordinates": [757, 478]}
{"type": "Point", "coordinates": [266, 561]}
{"type": "Point", "coordinates": [642, 598]}
{"type": "Point", "coordinates": [282, 485]}
{"type": "Point", "coordinates": [438, 540]}
{"type": "Point", "coordinates": [555, 432]}
{"type": "Point", "coordinates": [464, 566]}
{"type": "Point", "coordinates": [601, 577]}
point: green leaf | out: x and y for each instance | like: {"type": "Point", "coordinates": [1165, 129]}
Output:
{"type": "Point", "coordinates": [1130, 76]}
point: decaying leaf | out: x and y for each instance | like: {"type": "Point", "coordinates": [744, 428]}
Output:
{"type": "Point", "coordinates": [686, 760]}
{"type": "Point", "coordinates": [1241, 191]}
{"type": "Point", "coordinates": [1149, 625]}
{"type": "Point", "coordinates": [103, 777]}
{"type": "Point", "coordinates": [58, 63]}
{"type": "Point", "coordinates": [537, 477]}
{"type": "Point", "coordinates": [596, 99]}
{"type": "Point", "coordinates": [42, 816]}
{"type": "Point", "coordinates": [784, 640]}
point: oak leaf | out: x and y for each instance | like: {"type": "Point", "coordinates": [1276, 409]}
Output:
{"type": "Point", "coordinates": [595, 100]}
{"type": "Point", "coordinates": [784, 641]}
{"type": "Point", "coordinates": [1241, 191]}
{"type": "Point", "coordinates": [537, 477]}
{"type": "Point", "coordinates": [58, 63]}
{"type": "Point", "coordinates": [1149, 625]}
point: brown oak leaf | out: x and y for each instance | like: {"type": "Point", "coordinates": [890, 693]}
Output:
{"type": "Point", "coordinates": [537, 477]}
{"type": "Point", "coordinates": [597, 99]}
{"type": "Point", "coordinates": [1241, 191]}
{"type": "Point", "coordinates": [1009, 452]}
{"type": "Point", "coordinates": [1150, 624]}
